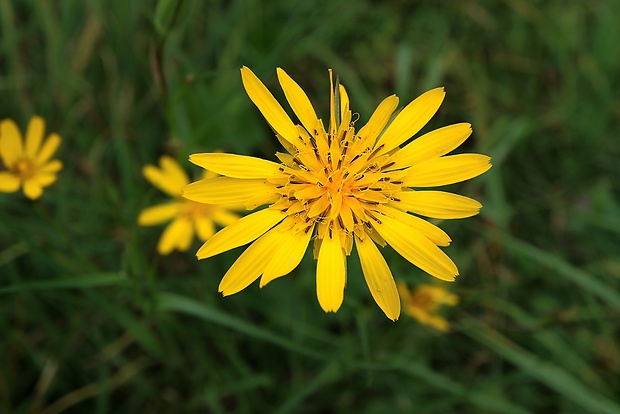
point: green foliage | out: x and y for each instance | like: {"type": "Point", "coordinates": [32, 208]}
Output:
{"type": "Point", "coordinates": [93, 320]}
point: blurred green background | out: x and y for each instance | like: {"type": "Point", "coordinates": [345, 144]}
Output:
{"type": "Point", "coordinates": [92, 320]}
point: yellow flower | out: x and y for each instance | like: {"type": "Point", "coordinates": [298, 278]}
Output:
{"type": "Point", "coordinates": [340, 188]}
{"type": "Point", "coordinates": [28, 163]}
{"type": "Point", "coordinates": [423, 304]}
{"type": "Point", "coordinates": [189, 216]}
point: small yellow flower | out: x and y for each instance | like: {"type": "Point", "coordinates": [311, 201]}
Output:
{"type": "Point", "coordinates": [28, 163]}
{"type": "Point", "coordinates": [423, 304]}
{"type": "Point", "coordinates": [188, 216]}
{"type": "Point", "coordinates": [340, 187]}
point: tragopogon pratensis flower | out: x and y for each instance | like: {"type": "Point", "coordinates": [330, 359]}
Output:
{"type": "Point", "coordinates": [340, 188]}
{"type": "Point", "coordinates": [187, 216]}
{"type": "Point", "coordinates": [424, 301]}
{"type": "Point", "coordinates": [28, 161]}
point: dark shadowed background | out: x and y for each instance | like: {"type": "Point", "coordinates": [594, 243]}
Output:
{"type": "Point", "coordinates": [92, 320]}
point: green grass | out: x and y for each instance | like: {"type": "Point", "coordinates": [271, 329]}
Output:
{"type": "Point", "coordinates": [93, 320]}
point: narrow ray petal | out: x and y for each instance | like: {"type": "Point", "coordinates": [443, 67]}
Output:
{"type": "Point", "coordinates": [11, 147]}
{"type": "Point", "coordinates": [8, 182]}
{"type": "Point", "coordinates": [330, 274]}
{"type": "Point", "coordinates": [378, 120]}
{"type": "Point", "coordinates": [439, 204]}
{"type": "Point", "coordinates": [32, 189]}
{"type": "Point", "coordinates": [226, 190]}
{"type": "Point", "coordinates": [249, 266]}
{"type": "Point", "coordinates": [378, 278]}
{"type": "Point", "coordinates": [205, 228]}
{"type": "Point", "coordinates": [162, 181]}
{"type": "Point", "coordinates": [51, 167]}
{"type": "Point", "coordinates": [158, 214]}
{"type": "Point", "coordinates": [298, 100]}
{"type": "Point", "coordinates": [433, 144]}
{"type": "Point", "coordinates": [48, 148]}
{"type": "Point", "coordinates": [344, 103]}
{"type": "Point", "coordinates": [235, 166]}
{"type": "Point", "coordinates": [287, 257]}
{"type": "Point", "coordinates": [224, 217]}
{"type": "Point", "coordinates": [34, 136]}
{"type": "Point", "coordinates": [268, 106]}
{"type": "Point", "coordinates": [171, 169]}
{"type": "Point", "coordinates": [447, 170]}
{"type": "Point", "coordinates": [240, 232]}
{"type": "Point", "coordinates": [45, 179]}
{"type": "Point", "coordinates": [429, 230]}
{"type": "Point", "coordinates": [177, 235]}
{"type": "Point", "coordinates": [411, 119]}
{"type": "Point", "coordinates": [417, 249]}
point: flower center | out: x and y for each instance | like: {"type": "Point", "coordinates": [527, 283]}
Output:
{"type": "Point", "coordinates": [192, 209]}
{"type": "Point", "coordinates": [422, 300]}
{"type": "Point", "coordinates": [24, 168]}
{"type": "Point", "coordinates": [337, 183]}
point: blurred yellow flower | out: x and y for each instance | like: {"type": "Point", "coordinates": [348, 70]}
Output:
{"type": "Point", "coordinates": [28, 162]}
{"type": "Point", "coordinates": [424, 302]}
{"type": "Point", "coordinates": [187, 216]}
{"type": "Point", "coordinates": [340, 187]}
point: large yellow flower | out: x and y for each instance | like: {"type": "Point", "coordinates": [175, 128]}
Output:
{"type": "Point", "coordinates": [423, 304]}
{"type": "Point", "coordinates": [187, 216]}
{"type": "Point", "coordinates": [340, 187]}
{"type": "Point", "coordinates": [28, 163]}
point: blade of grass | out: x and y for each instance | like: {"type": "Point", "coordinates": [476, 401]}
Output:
{"type": "Point", "coordinates": [330, 373]}
{"type": "Point", "coordinates": [476, 397]}
{"type": "Point", "coordinates": [79, 282]}
{"type": "Point", "coordinates": [549, 374]}
{"type": "Point", "coordinates": [581, 278]}
{"type": "Point", "coordinates": [176, 303]}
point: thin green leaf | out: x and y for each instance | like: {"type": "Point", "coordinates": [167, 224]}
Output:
{"type": "Point", "coordinates": [176, 303]}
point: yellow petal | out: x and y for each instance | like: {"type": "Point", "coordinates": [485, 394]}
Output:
{"type": "Point", "coordinates": [34, 136]}
{"type": "Point", "coordinates": [268, 106]}
{"type": "Point", "coordinates": [11, 148]}
{"type": "Point", "coordinates": [298, 100]}
{"type": "Point", "coordinates": [378, 278]}
{"type": "Point", "coordinates": [417, 249]}
{"type": "Point", "coordinates": [162, 181]}
{"type": "Point", "coordinates": [51, 167]}
{"type": "Point", "coordinates": [249, 266]}
{"type": "Point", "coordinates": [439, 204]}
{"type": "Point", "coordinates": [403, 291]}
{"type": "Point", "coordinates": [171, 169]}
{"type": "Point", "coordinates": [433, 144]}
{"type": "Point", "coordinates": [240, 232]}
{"type": "Point", "coordinates": [378, 120]}
{"type": "Point", "coordinates": [235, 166]}
{"type": "Point", "coordinates": [177, 235]}
{"type": "Point", "coordinates": [447, 170]}
{"type": "Point", "coordinates": [344, 104]}
{"type": "Point", "coordinates": [331, 274]}
{"type": "Point", "coordinates": [8, 182]}
{"type": "Point", "coordinates": [158, 214]}
{"type": "Point", "coordinates": [225, 190]}
{"type": "Point", "coordinates": [44, 179]}
{"type": "Point", "coordinates": [411, 120]}
{"type": "Point", "coordinates": [288, 256]}
{"type": "Point", "coordinates": [224, 217]}
{"type": "Point", "coordinates": [205, 228]}
{"type": "Point", "coordinates": [48, 148]}
{"type": "Point", "coordinates": [32, 189]}
{"type": "Point", "coordinates": [429, 230]}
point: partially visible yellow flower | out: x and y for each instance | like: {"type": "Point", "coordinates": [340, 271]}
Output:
{"type": "Point", "coordinates": [28, 162]}
{"type": "Point", "coordinates": [187, 216]}
{"type": "Point", "coordinates": [340, 187]}
{"type": "Point", "coordinates": [423, 304]}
